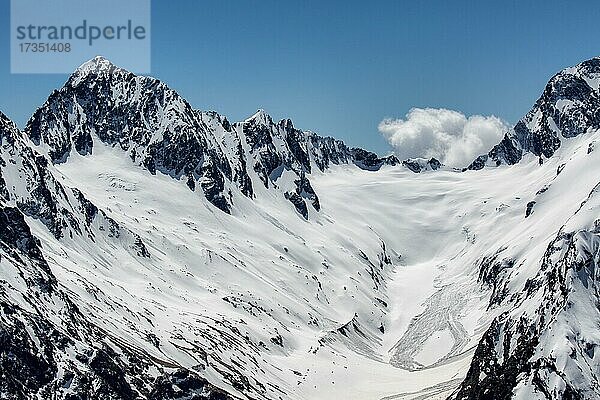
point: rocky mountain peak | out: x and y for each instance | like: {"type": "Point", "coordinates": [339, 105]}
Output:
{"type": "Point", "coordinates": [95, 68]}
{"type": "Point", "coordinates": [96, 64]}
{"type": "Point", "coordinates": [568, 107]}
{"type": "Point", "coordinates": [5, 123]}
{"type": "Point", "coordinates": [260, 117]}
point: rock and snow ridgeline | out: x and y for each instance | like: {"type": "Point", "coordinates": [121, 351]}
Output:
{"type": "Point", "coordinates": [162, 132]}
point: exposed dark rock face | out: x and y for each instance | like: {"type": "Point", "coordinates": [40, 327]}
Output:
{"type": "Point", "coordinates": [370, 161]}
{"type": "Point", "coordinates": [297, 143]}
{"type": "Point", "coordinates": [298, 203]}
{"type": "Point", "coordinates": [46, 199]}
{"type": "Point", "coordinates": [417, 165]}
{"type": "Point", "coordinates": [15, 235]}
{"type": "Point", "coordinates": [492, 275]}
{"type": "Point", "coordinates": [179, 384]}
{"type": "Point", "coordinates": [479, 162]}
{"type": "Point", "coordinates": [34, 361]}
{"type": "Point", "coordinates": [490, 379]}
{"type": "Point", "coordinates": [434, 164]}
{"type": "Point", "coordinates": [304, 191]}
{"type": "Point", "coordinates": [327, 151]}
{"type": "Point", "coordinates": [31, 345]}
{"type": "Point", "coordinates": [529, 209]}
{"type": "Point", "coordinates": [40, 195]}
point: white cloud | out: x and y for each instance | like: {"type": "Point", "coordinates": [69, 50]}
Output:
{"type": "Point", "coordinates": [447, 135]}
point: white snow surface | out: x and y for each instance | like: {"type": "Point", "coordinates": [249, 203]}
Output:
{"type": "Point", "coordinates": [229, 284]}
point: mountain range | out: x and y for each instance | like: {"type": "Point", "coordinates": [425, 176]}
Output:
{"type": "Point", "coordinates": [149, 250]}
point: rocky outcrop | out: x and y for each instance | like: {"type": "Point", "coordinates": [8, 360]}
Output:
{"type": "Point", "coordinates": [370, 161]}
{"type": "Point", "coordinates": [417, 165]}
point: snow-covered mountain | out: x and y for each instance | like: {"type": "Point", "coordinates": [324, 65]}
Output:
{"type": "Point", "coordinates": [152, 251]}
{"type": "Point", "coordinates": [160, 131]}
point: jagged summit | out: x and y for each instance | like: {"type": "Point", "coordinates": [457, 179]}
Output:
{"type": "Point", "coordinates": [95, 68]}
{"type": "Point", "coordinates": [94, 63]}
{"type": "Point", "coordinates": [4, 120]}
{"type": "Point", "coordinates": [261, 116]}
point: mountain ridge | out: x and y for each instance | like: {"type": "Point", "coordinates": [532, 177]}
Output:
{"type": "Point", "coordinates": [160, 130]}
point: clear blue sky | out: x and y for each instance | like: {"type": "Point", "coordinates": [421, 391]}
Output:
{"type": "Point", "coordinates": [339, 67]}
